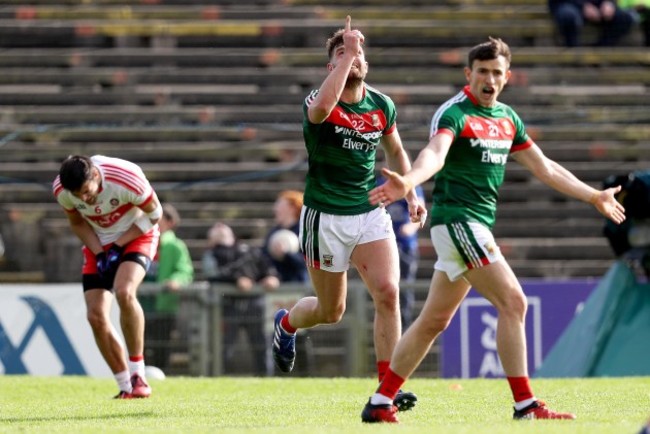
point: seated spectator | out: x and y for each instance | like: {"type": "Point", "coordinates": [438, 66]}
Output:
{"type": "Point", "coordinates": [171, 268]}
{"type": "Point", "coordinates": [228, 260]}
{"type": "Point", "coordinates": [641, 11]}
{"type": "Point", "coordinates": [287, 258]}
{"type": "Point", "coordinates": [572, 15]}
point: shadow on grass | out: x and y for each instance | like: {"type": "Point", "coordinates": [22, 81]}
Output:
{"type": "Point", "coordinates": [62, 418]}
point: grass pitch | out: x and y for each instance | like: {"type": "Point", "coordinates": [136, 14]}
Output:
{"type": "Point", "coordinates": [313, 406]}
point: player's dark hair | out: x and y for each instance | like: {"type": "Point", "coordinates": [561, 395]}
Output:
{"type": "Point", "coordinates": [75, 171]}
{"type": "Point", "coordinates": [334, 41]}
{"type": "Point", "coordinates": [489, 50]}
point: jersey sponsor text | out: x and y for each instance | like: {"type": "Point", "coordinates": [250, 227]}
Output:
{"type": "Point", "coordinates": [491, 144]}
{"type": "Point", "coordinates": [359, 146]}
{"type": "Point", "coordinates": [491, 157]}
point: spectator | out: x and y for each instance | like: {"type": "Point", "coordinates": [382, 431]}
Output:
{"type": "Point", "coordinates": [172, 269]}
{"type": "Point", "coordinates": [406, 236]}
{"type": "Point", "coordinates": [228, 260]}
{"type": "Point", "coordinates": [287, 259]}
{"type": "Point", "coordinates": [572, 15]}
{"type": "Point", "coordinates": [631, 239]}
{"type": "Point", "coordinates": [640, 9]}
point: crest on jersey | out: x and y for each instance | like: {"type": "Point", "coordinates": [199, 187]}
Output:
{"type": "Point", "coordinates": [490, 247]}
{"type": "Point", "coordinates": [115, 202]}
{"type": "Point", "coordinates": [328, 260]}
{"type": "Point", "coordinates": [375, 120]}
{"type": "Point", "coordinates": [476, 126]}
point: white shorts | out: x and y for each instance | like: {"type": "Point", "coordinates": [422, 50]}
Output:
{"type": "Point", "coordinates": [462, 246]}
{"type": "Point", "coordinates": [327, 240]}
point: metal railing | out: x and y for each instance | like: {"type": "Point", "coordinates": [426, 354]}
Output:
{"type": "Point", "coordinates": [218, 330]}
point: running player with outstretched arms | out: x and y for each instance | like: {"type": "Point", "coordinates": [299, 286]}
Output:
{"type": "Point", "coordinates": [472, 136]}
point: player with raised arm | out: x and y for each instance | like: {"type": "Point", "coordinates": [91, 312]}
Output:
{"type": "Point", "coordinates": [344, 123]}
{"type": "Point", "coordinates": [472, 136]}
{"type": "Point", "coordinates": [113, 210]}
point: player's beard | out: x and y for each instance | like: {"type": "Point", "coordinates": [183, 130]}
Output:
{"type": "Point", "coordinates": [355, 79]}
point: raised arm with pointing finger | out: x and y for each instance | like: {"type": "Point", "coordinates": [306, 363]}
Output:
{"type": "Point", "coordinates": [344, 123]}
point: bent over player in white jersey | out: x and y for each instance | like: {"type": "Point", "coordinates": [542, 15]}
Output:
{"type": "Point", "coordinates": [113, 210]}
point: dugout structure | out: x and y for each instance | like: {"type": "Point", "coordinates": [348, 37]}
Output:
{"type": "Point", "coordinates": [610, 336]}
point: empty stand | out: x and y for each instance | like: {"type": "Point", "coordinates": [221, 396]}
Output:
{"type": "Point", "coordinates": [206, 97]}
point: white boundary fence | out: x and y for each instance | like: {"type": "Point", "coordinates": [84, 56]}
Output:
{"type": "Point", "coordinates": [43, 331]}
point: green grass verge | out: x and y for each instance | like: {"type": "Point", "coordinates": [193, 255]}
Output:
{"type": "Point", "coordinates": [313, 406]}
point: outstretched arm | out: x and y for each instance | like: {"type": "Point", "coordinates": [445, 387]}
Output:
{"type": "Point", "coordinates": [430, 160]}
{"type": "Point", "coordinates": [562, 180]}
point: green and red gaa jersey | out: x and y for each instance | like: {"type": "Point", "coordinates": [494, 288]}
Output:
{"type": "Point", "coordinates": [342, 152]}
{"type": "Point", "coordinates": [466, 188]}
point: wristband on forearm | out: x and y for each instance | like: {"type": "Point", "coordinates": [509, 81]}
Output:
{"type": "Point", "coordinates": [147, 224]}
{"type": "Point", "coordinates": [156, 214]}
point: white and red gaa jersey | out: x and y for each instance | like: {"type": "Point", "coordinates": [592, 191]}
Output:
{"type": "Point", "coordinates": [124, 188]}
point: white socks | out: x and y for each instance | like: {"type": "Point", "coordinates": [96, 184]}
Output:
{"type": "Point", "coordinates": [123, 380]}
{"type": "Point", "coordinates": [137, 367]}
{"type": "Point", "coordinates": [523, 404]}
{"type": "Point", "coordinates": [379, 399]}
